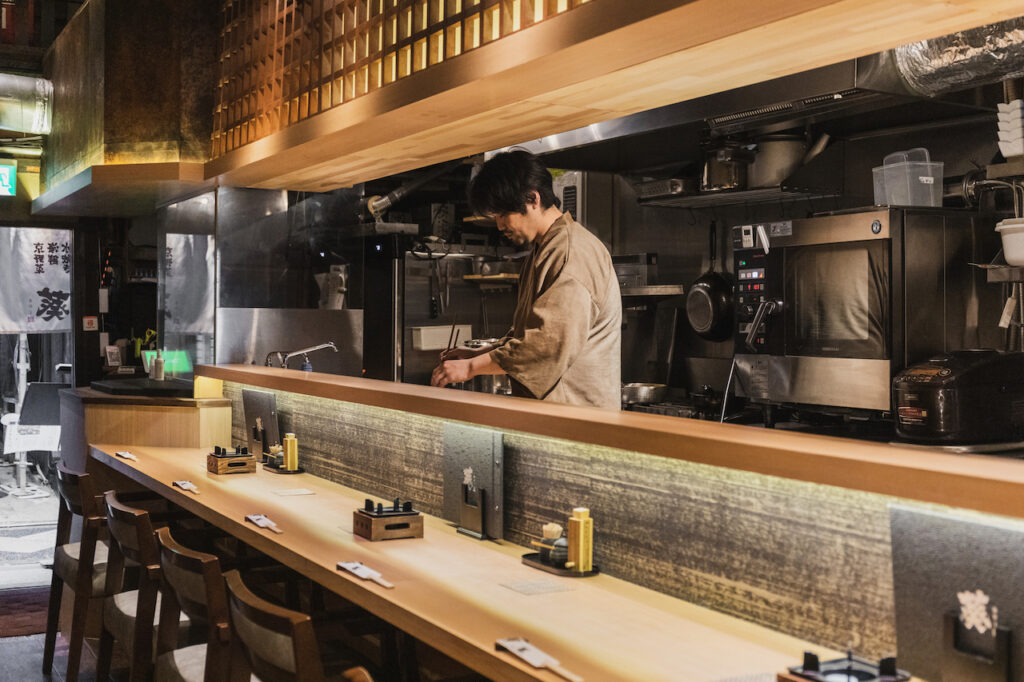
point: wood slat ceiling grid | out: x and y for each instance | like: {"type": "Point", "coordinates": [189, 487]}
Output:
{"type": "Point", "coordinates": [283, 61]}
{"type": "Point", "coordinates": [568, 73]}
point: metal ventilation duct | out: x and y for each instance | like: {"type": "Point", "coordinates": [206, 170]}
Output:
{"type": "Point", "coordinates": [979, 56]}
{"type": "Point", "coordinates": [26, 104]}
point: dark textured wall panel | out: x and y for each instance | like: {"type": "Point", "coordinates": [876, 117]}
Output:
{"type": "Point", "coordinates": [75, 65]}
{"type": "Point", "coordinates": [810, 560]}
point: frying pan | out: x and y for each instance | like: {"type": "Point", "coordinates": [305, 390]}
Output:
{"type": "Point", "coordinates": [709, 302]}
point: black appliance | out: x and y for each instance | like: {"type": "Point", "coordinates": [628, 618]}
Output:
{"type": "Point", "coordinates": [830, 308]}
{"type": "Point", "coordinates": [848, 669]}
{"type": "Point", "coordinates": [169, 388]}
{"type": "Point", "coordinates": [964, 397]}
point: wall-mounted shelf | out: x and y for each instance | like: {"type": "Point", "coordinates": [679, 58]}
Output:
{"type": "Point", "coordinates": [654, 290]}
{"type": "Point", "coordinates": [732, 198]}
{"type": "Point", "coordinates": [1012, 168]}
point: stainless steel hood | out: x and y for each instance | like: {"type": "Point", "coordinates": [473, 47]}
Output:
{"type": "Point", "coordinates": [670, 135]}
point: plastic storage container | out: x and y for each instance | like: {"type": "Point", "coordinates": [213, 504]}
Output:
{"type": "Point", "coordinates": [908, 178]}
{"type": "Point", "coordinates": [1011, 231]}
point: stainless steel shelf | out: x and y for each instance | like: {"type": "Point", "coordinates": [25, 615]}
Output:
{"type": "Point", "coordinates": [654, 290]}
{"type": "Point", "coordinates": [730, 198]}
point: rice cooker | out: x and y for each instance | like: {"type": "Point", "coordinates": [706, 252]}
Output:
{"type": "Point", "coordinates": [962, 398]}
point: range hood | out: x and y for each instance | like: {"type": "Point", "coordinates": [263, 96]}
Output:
{"type": "Point", "coordinates": [654, 139]}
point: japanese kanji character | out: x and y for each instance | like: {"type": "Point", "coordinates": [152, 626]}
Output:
{"type": "Point", "coordinates": [53, 304]}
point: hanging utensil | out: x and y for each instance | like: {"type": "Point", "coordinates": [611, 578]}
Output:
{"type": "Point", "coordinates": [709, 302]}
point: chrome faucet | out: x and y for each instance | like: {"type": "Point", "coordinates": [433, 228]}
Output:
{"type": "Point", "coordinates": [284, 356]}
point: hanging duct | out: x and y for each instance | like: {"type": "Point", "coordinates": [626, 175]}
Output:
{"type": "Point", "coordinates": [25, 104]}
{"type": "Point", "coordinates": [979, 56]}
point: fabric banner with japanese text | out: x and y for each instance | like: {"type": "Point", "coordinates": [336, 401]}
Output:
{"type": "Point", "coordinates": [35, 280]}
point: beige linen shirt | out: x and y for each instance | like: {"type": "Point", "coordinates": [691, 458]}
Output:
{"type": "Point", "coordinates": [564, 344]}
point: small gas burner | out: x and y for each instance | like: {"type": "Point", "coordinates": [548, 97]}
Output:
{"type": "Point", "coordinates": [849, 669]}
{"type": "Point", "coordinates": [670, 409]}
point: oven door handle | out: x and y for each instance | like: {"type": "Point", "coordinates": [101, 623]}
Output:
{"type": "Point", "coordinates": [765, 310]}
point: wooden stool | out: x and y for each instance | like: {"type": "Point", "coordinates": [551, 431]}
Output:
{"type": "Point", "coordinates": [278, 643]}
{"type": "Point", "coordinates": [80, 565]}
{"type": "Point", "coordinates": [128, 616]}
{"type": "Point", "coordinates": [193, 583]}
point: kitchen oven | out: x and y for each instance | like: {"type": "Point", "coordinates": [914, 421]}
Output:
{"type": "Point", "coordinates": [829, 308]}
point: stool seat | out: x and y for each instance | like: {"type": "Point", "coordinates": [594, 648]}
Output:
{"type": "Point", "coordinates": [119, 616]}
{"type": "Point", "coordinates": [65, 564]}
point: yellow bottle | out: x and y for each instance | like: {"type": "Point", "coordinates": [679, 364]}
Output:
{"type": "Point", "coordinates": [581, 540]}
{"type": "Point", "coordinates": [291, 452]}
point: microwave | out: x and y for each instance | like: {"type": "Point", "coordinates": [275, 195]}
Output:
{"type": "Point", "coordinates": [830, 308]}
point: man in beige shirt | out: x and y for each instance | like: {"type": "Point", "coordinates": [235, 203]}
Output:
{"type": "Point", "coordinates": [564, 344]}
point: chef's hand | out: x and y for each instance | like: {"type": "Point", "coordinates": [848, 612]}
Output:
{"type": "Point", "coordinates": [451, 372]}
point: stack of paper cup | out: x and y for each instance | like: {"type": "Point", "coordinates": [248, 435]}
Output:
{"type": "Point", "coordinates": [1011, 128]}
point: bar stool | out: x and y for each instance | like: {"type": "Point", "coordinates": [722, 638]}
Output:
{"type": "Point", "coordinates": [80, 565]}
{"type": "Point", "coordinates": [193, 583]}
{"type": "Point", "coordinates": [128, 616]}
{"type": "Point", "coordinates": [278, 643]}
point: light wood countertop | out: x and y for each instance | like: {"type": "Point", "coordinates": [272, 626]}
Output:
{"type": "Point", "coordinates": [981, 482]}
{"type": "Point", "coordinates": [451, 591]}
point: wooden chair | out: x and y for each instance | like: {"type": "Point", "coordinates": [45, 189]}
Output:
{"type": "Point", "coordinates": [80, 565]}
{"type": "Point", "coordinates": [279, 644]}
{"type": "Point", "coordinates": [193, 583]}
{"type": "Point", "coordinates": [128, 615]}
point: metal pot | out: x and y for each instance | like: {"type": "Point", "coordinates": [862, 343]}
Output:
{"type": "Point", "coordinates": [725, 166]}
{"type": "Point", "coordinates": [777, 157]}
{"type": "Point", "coordinates": [497, 384]}
{"type": "Point", "coordinates": [641, 394]}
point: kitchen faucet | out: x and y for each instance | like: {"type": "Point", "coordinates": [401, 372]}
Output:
{"type": "Point", "coordinates": [284, 356]}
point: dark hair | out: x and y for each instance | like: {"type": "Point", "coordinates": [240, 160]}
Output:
{"type": "Point", "coordinates": [506, 183]}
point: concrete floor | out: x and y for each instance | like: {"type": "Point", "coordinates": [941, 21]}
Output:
{"type": "Point", "coordinates": [22, 659]}
{"type": "Point", "coordinates": [27, 533]}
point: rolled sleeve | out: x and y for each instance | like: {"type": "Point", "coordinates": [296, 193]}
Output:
{"type": "Point", "coordinates": [555, 332]}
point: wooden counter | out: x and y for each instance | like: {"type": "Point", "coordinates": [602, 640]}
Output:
{"type": "Point", "coordinates": [984, 483]}
{"type": "Point", "coordinates": [453, 593]}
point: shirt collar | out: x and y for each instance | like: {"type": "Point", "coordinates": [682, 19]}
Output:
{"type": "Point", "coordinates": [560, 224]}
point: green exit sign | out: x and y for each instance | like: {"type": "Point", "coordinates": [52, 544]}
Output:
{"type": "Point", "coordinates": [8, 179]}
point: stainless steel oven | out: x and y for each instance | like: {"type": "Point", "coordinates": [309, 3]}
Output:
{"type": "Point", "coordinates": [830, 307]}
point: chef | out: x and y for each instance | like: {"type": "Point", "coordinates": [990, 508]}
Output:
{"type": "Point", "coordinates": [564, 345]}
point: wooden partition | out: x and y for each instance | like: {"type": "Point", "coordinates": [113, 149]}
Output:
{"type": "Point", "coordinates": [984, 483]}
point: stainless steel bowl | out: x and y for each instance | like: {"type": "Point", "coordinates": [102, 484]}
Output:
{"type": "Point", "coordinates": [640, 394]}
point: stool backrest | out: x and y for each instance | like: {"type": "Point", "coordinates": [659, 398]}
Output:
{"type": "Point", "coordinates": [77, 492]}
{"type": "Point", "coordinates": [194, 584]}
{"type": "Point", "coordinates": [132, 537]}
{"type": "Point", "coordinates": [279, 643]}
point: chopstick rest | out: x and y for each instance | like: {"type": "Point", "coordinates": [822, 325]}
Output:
{"type": "Point", "coordinates": [186, 485]}
{"type": "Point", "coordinates": [361, 570]}
{"type": "Point", "coordinates": [262, 521]}
{"type": "Point", "coordinates": [525, 651]}
{"type": "Point", "coordinates": [124, 454]}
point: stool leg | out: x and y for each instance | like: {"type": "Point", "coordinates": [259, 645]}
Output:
{"type": "Point", "coordinates": [104, 655]}
{"type": "Point", "coordinates": [52, 616]}
{"type": "Point", "coordinates": [79, 615]}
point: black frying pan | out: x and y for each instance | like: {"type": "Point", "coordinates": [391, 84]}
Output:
{"type": "Point", "coordinates": [709, 302]}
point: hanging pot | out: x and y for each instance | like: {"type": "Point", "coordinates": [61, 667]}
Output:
{"type": "Point", "coordinates": [709, 302]}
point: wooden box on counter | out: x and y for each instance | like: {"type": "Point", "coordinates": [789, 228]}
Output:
{"type": "Point", "coordinates": [231, 463]}
{"type": "Point", "coordinates": [376, 528]}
